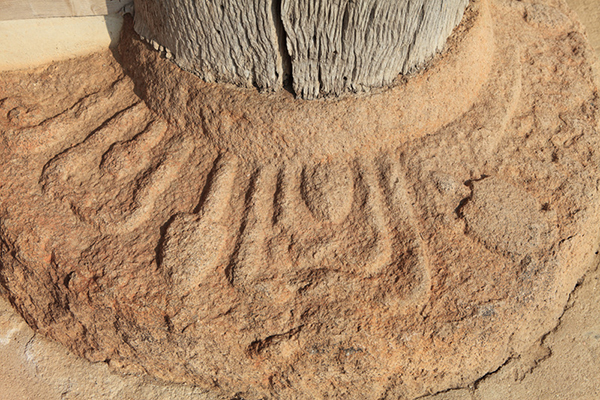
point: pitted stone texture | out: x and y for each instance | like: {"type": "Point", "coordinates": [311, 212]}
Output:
{"type": "Point", "coordinates": [507, 219]}
{"type": "Point", "coordinates": [130, 235]}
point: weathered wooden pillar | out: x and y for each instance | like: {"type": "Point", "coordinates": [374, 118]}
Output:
{"type": "Point", "coordinates": [326, 47]}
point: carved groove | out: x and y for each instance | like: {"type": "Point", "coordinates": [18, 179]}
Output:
{"type": "Point", "coordinates": [194, 243]}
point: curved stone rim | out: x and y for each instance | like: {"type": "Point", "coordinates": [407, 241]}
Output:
{"type": "Point", "coordinates": [278, 126]}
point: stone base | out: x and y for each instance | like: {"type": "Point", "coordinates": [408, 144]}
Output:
{"type": "Point", "coordinates": [178, 236]}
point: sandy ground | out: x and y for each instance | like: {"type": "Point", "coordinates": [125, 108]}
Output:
{"type": "Point", "coordinates": [564, 365]}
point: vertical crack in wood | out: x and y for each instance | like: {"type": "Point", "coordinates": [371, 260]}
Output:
{"type": "Point", "coordinates": [285, 62]}
{"type": "Point", "coordinates": [314, 48]}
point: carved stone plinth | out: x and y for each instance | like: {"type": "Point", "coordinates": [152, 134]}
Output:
{"type": "Point", "coordinates": [261, 246]}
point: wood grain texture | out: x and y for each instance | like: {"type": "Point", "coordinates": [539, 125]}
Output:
{"type": "Point", "coordinates": [18, 9]}
{"type": "Point", "coordinates": [353, 46]}
{"type": "Point", "coordinates": [328, 46]}
{"type": "Point", "coordinates": [230, 41]}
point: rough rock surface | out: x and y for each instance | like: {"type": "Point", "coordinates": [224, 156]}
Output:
{"type": "Point", "coordinates": [149, 235]}
{"type": "Point", "coordinates": [565, 365]}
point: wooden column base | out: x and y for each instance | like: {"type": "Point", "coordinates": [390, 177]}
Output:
{"type": "Point", "coordinates": [258, 246]}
